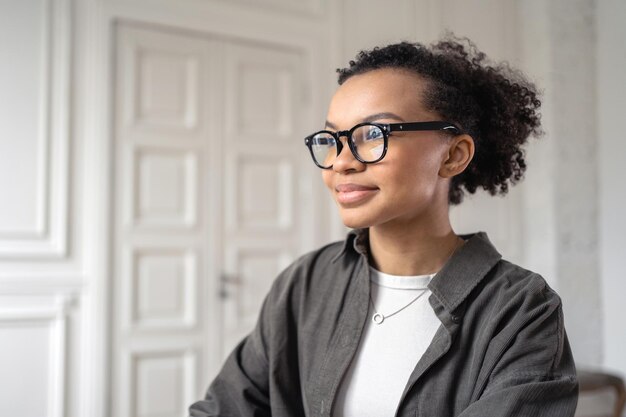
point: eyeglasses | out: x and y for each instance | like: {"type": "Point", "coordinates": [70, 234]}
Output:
{"type": "Point", "coordinates": [367, 141]}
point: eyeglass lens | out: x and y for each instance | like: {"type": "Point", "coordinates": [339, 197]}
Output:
{"type": "Point", "coordinates": [368, 142]}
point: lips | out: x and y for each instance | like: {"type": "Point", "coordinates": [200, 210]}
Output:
{"type": "Point", "coordinates": [352, 194]}
{"type": "Point", "coordinates": [346, 188]}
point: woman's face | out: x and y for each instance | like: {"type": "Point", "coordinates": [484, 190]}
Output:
{"type": "Point", "coordinates": [405, 186]}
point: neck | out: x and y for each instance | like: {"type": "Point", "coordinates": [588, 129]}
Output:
{"type": "Point", "coordinates": [402, 249]}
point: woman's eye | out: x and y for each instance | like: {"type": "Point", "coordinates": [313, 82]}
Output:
{"type": "Point", "coordinates": [374, 133]}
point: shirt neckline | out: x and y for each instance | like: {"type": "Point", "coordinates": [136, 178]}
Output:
{"type": "Point", "coordinates": [401, 282]}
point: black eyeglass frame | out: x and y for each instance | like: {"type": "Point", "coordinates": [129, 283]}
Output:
{"type": "Point", "coordinates": [386, 128]}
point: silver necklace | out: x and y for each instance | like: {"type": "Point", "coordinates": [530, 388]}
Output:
{"type": "Point", "coordinates": [378, 318]}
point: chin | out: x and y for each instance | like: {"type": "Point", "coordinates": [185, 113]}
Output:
{"type": "Point", "coordinates": [356, 220]}
{"type": "Point", "coordinates": [355, 225]}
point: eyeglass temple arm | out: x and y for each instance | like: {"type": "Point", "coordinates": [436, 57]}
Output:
{"type": "Point", "coordinates": [417, 126]}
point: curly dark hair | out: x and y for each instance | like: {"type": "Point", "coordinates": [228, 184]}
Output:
{"type": "Point", "coordinates": [495, 104]}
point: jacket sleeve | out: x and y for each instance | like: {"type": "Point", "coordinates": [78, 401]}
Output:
{"type": "Point", "coordinates": [532, 373]}
{"type": "Point", "coordinates": [241, 388]}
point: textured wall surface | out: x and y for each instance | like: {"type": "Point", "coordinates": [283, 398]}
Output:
{"type": "Point", "coordinates": [573, 39]}
{"type": "Point", "coordinates": [612, 148]}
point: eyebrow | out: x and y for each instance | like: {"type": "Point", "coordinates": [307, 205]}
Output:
{"type": "Point", "coordinates": [371, 118]}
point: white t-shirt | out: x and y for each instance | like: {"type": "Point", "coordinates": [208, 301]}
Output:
{"type": "Point", "coordinates": [389, 351]}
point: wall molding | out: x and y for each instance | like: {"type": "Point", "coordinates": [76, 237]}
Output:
{"type": "Point", "coordinates": [313, 8]}
{"type": "Point", "coordinates": [35, 284]}
{"type": "Point", "coordinates": [55, 316]}
{"type": "Point", "coordinates": [48, 239]}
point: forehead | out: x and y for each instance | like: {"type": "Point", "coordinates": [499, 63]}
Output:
{"type": "Point", "coordinates": [383, 90]}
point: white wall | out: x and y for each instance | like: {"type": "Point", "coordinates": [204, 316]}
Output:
{"type": "Point", "coordinates": [611, 84]}
{"type": "Point", "coordinates": [574, 175]}
{"type": "Point", "coordinates": [41, 275]}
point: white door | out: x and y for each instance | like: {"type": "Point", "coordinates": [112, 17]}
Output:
{"type": "Point", "coordinates": [206, 205]}
{"type": "Point", "coordinates": [262, 232]}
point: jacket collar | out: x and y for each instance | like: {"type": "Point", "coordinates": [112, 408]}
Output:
{"type": "Point", "coordinates": [465, 269]}
{"type": "Point", "coordinates": [356, 241]}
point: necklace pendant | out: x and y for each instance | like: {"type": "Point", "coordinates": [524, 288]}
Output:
{"type": "Point", "coordinates": [378, 318]}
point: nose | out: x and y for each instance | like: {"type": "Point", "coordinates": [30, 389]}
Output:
{"type": "Point", "coordinates": [346, 161]}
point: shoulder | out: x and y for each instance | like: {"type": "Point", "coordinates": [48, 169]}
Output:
{"type": "Point", "coordinates": [514, 306]}
{"type": "Point", "coordinates": [513, 284]}
{"type": "Point", "coordinates": [521, 322]}
{"type": "Point", "coordinates": [478, 270]}
{"type": "Point", "coordinates": [498, 296]}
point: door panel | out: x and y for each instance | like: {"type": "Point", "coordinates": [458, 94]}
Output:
{"type": "Point", "coordinates": [262, 224]}
{"type": "Point", "coordinates": [159, 303]}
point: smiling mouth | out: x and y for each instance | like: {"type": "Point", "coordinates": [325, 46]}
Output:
{"type": "Point", "coordinates": [353, 194]}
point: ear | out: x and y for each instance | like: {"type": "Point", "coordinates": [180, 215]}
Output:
{"type": "Point", "coordinates": [459, 155]}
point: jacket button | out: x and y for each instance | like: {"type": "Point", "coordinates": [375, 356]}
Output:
{"type": "Point", "coordinates": [455, 318]}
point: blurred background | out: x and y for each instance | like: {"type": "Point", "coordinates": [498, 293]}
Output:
{"type": "Point", "coordinates": [154, 179]}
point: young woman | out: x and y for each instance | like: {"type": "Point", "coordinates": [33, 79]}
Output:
{"type": "Point", "coordinates": [406, 318]}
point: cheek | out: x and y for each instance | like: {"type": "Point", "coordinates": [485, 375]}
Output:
{"type": "Point", "coordinates": [327, 177]}
{"type": "Point", "coordinates": [422, 160]}
{"type": "Point", "coordinates": [417, 172]}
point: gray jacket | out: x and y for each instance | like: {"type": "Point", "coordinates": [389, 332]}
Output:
{"type": "Point", "coordinates": [501, 349]}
